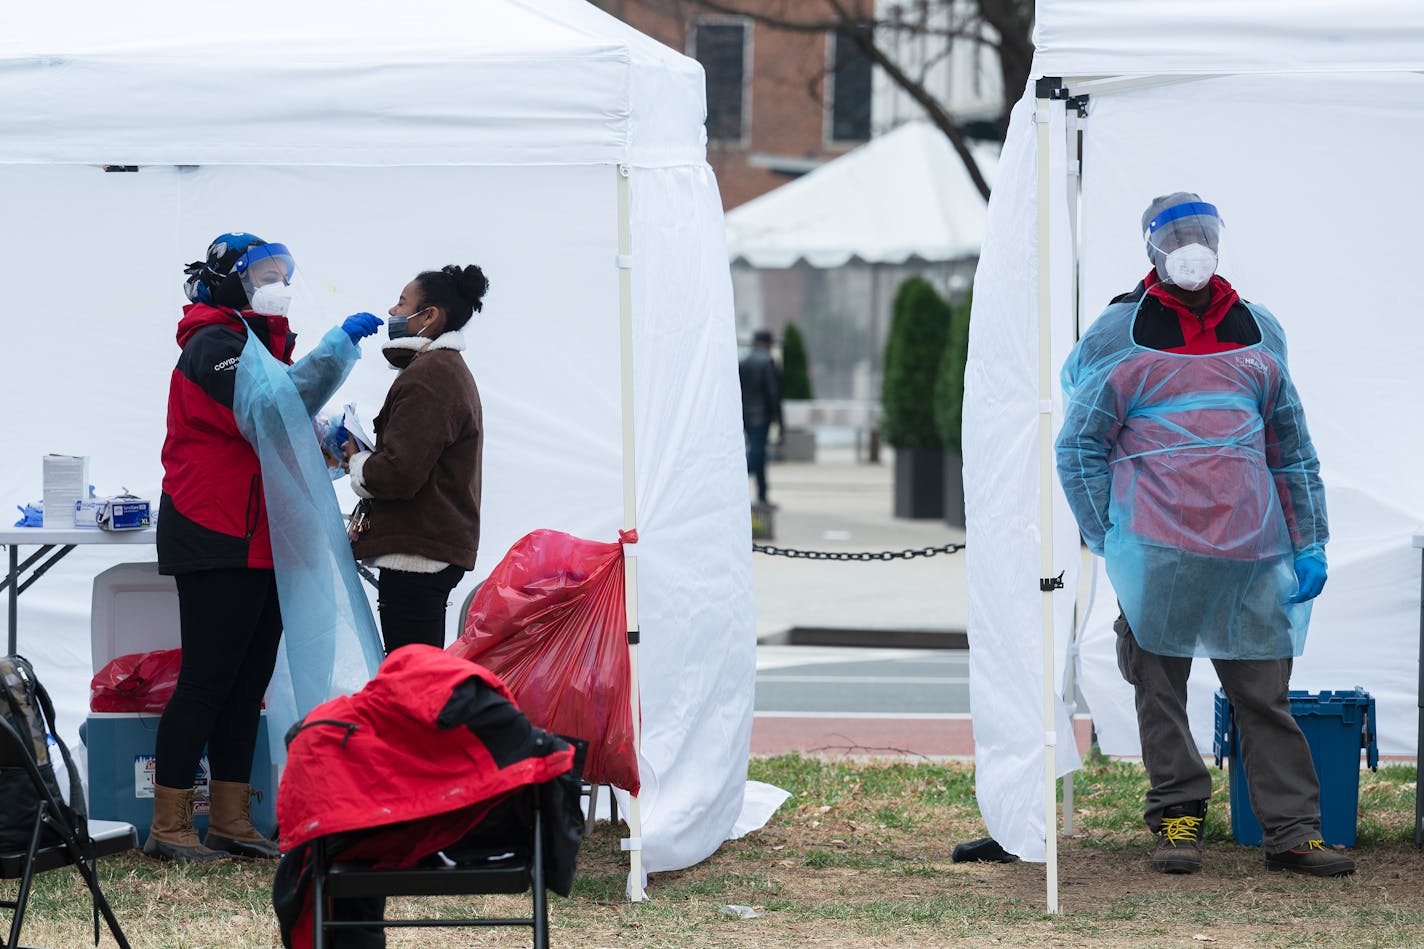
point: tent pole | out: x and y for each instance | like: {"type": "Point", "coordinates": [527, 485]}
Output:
{"type": "Point", "coordinates": [1075, 188]}
{"type": "Point", "coordinates": [634, 843]}
{"type": "Point", "coordinates": [1046, 87]}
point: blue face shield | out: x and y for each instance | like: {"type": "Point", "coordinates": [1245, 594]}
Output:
{"type": "Point", "coordinates": [264, 264]}
{"type": "Point", "coordinates": [266, 273]}
{"type": "Point", "coordinates": [1182, 243]}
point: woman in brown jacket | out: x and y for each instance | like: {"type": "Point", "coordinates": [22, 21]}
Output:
{"type": "Point", "coordinates": [421, 483]}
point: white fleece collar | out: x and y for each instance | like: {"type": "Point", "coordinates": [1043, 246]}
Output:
{"type": "Point", "coordinates": [452, 340]}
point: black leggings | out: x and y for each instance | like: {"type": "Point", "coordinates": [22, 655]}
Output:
{"type": "Point", "coordinates": [231, 625]}
{"type": "Point", "coordinates": [412, 606]}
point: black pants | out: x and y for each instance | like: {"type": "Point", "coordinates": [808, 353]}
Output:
{"type": "Point", "coordinates": [412, 606]}
{"type": "Point", "coordinates": [230, 624]}
{"type": "Point", "coordinates": [756, 455]}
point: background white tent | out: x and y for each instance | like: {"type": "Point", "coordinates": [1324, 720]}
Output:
{"type": "Point", "coordinates": [828, 250]}
{"type": "Point", "coordinates": [1305, 132]}
{"type": "Point", "coordinates": [378, 140]}
{"type": "Point", "coordinates": [901, 196]}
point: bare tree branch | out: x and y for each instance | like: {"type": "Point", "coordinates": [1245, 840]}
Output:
{"type": "Point", "coordinates": [1004, 26]}
{"type": "Point", "coordinates": [865, 39]}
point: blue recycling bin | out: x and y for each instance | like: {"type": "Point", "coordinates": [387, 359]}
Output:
{"type": "Point", "coordinates": [1337, 725]}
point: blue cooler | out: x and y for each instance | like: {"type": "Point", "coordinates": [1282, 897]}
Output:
{"type": "Point", "coordinates": [135, 609]}
{"type": "Point", "coordinates": [1337, 725]}
{"type": "Point", "coordinates": [120, 748]}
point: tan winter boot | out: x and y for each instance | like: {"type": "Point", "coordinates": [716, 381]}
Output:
{"type": "Point", "coordinates": [230, 825]}
{"type": "Point", "coordinates": [172, 837]}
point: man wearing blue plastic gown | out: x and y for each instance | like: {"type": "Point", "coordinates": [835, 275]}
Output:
{"type": "Point", "coordinates": [1185, 457]}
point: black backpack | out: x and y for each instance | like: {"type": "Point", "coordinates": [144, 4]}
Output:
{"type": "Point", "coordinates": [26, 707]}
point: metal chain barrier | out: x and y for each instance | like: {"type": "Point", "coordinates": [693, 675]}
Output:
{"type": "Point", "coordinates": [908, 554]}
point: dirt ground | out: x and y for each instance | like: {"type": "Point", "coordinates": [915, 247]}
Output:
{"type": "Point", "coordinates": [860, 859]}
{"type": "Point", "coordinates": [869, 886]}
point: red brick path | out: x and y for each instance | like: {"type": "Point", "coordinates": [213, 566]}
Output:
{"type": "Point", "coordinates": [932, 737]}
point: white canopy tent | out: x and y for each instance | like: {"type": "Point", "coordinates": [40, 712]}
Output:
{"type": "Point", "coordinates": [829, 249]}
{"type": "Point", "coordinates": [1304, 131]}
{"type": "Point", "coordinates": [546, 141]}
{"type": "Point", "coordinates": [902, 196]}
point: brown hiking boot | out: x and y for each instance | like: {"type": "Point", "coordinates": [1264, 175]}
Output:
{"type": "Point", "coordinates": [172, 837]}
{"type": "Point", "coordinates": [1313, 858]}
{"type": "Point", "coordinates": [1179, 840]}
{"type": "Point", "coordinates": [230, 824]}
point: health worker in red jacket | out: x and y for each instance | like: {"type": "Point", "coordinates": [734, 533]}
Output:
{"type": "Point", "coordinates": [213, 538]}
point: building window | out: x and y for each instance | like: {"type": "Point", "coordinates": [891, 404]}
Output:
{"type": "Point", "coordinates": [848, 90]}
{"type": "Point", "coordinates": [720, 45]}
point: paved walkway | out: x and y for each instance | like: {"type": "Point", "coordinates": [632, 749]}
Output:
{"type": "Point", "coordinates": [876, 698]}
{"type": "Point", "coordinates": [838, 504]}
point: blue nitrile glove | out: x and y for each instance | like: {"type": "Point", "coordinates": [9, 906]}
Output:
{"type": "Point", "coordinates": [360, 325]}
{"type": "Point", "coordinates": [1309, 578]}
{"type": "Point", "coordinates": [31, 515]}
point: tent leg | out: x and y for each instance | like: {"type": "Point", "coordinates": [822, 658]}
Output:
{"type": "Point", "coordinates": [634, 843]}
{"type": "Point", "coordinates": [1074, 145]}
{"type": "Point", "coordinates": [1070, 687]}
{"type": "Point", "coordinates": [1045, 493]}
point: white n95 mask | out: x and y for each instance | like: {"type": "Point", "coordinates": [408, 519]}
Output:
{"type": "Point", "coordinates": [1191, 267]}
{"type": "Point", "coordinates": [272, 299]}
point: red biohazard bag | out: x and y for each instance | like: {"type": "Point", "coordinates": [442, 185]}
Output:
{"type": "Point", "coordinates": [138, 682]}
{"type": "Point", "coordinates": [550, 621]}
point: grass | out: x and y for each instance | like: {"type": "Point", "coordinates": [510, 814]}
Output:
{"type": "Point", "coordinates": [860, 856]}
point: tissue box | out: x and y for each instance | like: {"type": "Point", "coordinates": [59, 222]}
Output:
{"type": "Point", "coordinates": [66, 480]}
{"type": "Point", "coordinates": [124, 514]}
{"type": "Point", "coordinates": [86, 513]}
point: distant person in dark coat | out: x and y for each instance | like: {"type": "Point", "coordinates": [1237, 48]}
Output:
{"type": "Point", "coordinates": [761, 406]}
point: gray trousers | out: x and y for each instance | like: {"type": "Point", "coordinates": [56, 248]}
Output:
{"type": "Point", "coordinates": [1285, 793]}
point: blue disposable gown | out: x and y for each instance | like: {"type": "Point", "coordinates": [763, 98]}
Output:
{"type": "Point", "coordinates": [1195, 478]}
{"type": "Point", "coordinates": [329, 637]}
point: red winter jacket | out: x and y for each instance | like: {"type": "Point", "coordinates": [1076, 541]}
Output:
{"type": "Point", "coordinates": [212, 514]}
{"type": "Point", "coordinates": [418, 757]}
{"type": "Point", "coordinates": [395, 752]}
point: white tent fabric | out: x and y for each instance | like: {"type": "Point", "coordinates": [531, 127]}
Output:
{"type": "Point", "coordinates": [901, 196]}
{"type": "Point", "coordinates": [1108, 38]}
{"type": "Point", "coordinates": [1307, 145]}
{"type": "Point", "coordinates": [421, 82]}
{"type": "Point", "coordinates": [1001, 474]}
{"type": "Point", "coordinates": [378, 140]}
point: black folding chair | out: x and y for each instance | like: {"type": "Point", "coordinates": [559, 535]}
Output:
{"type": "Point", "coordinates": [77, 846]}
{"type": "Point", "coordinates": [512, 865]}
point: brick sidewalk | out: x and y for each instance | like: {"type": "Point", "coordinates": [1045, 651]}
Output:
{"type": "Point", "coordinates": [930, 736]}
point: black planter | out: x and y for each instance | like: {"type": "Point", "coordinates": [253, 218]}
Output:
{"type": "Point", "coordinates": [919, 482]}
{"type": "Point", "coordinates": [953, 488]}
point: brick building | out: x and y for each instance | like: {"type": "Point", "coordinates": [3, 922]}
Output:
{"type": "Point", "coordinates": [779, 102]}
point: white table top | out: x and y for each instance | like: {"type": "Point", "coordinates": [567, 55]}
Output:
{"type": "Point", "coordinates": [1418, 540]}
{"type": "Point", "coordinates": [75, 535]}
